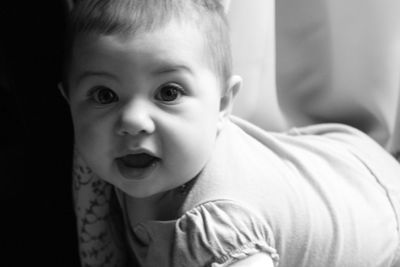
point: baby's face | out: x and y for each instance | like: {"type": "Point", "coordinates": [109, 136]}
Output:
{"type": "Point", "coordinates": [146, 110]}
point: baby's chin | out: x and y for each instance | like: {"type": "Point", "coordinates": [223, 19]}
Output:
{"type": "Point", "coordinates": [144, 189]}
{"type": "Point", "coordinates": [143, 194]}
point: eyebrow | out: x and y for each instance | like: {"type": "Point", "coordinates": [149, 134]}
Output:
{"type": "Point", "coordinates": [86, 74]}
{"type": "Point", "coordinates": [168, 68]}
{"type": "Point", "coordinates": [162, 69]}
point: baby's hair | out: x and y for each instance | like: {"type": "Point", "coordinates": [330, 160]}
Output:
{"type": "Point", "coordinates": [128, 17]}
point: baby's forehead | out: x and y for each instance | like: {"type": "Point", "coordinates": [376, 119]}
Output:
{"type": "Point", "coordinates": [165, 37]}
{"type": "Point", "coordinates": [171, 30]}
{"type": "Point", "coordinates": [167, 48]}
{"type": "Point", "coordinates": [173, 39]}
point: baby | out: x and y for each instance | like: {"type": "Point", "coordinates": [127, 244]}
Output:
{"type": "Point", "coordinates": [150, 88]}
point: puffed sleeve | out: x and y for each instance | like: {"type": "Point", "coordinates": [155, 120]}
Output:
{"type": "Point", "coordinates": [219, 233]}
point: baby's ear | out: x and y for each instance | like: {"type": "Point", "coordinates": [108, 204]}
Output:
{"type": "Point", "coordinates": [62, 91]}
{"type": "Point", "coordinates": [226, 104]}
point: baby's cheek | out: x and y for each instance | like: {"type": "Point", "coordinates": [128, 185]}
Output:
{"type": "Point", "coordinates": [83, 132]}
{"type": "Point", "coordinates": [197, 154]}
{"type": "Point", "coordinates": [89, 128]}
{"type": "Point", "coordinates": [87, 140]}
{"type": "Point", "coordinates": [93, 149]}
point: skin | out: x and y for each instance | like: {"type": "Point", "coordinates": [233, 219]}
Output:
{"type": "Point", "coordinates": [256, 260]}
{"type": "Point", "coordinates": [121, 104]}
{"type": "Point", "coordinates": [134, 74]}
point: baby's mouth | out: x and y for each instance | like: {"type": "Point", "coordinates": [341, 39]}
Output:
{"type": "Point", "coordinates": [137, 166]}
{"type": "Point", "coordinates": [138, 161]}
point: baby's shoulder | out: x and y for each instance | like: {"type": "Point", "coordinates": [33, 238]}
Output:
{"type": "Point", "coordinates": [222, 231]}
{"type": "Point", "coordinates": [214, 233]}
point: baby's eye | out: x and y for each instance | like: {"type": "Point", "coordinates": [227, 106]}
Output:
{"type": "Point", "coordinates": [102, 95]}
{"type": "Point", "coordinates": [169, 92]}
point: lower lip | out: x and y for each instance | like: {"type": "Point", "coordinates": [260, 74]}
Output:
{"type": "Point", "coordinates": [135, 173]}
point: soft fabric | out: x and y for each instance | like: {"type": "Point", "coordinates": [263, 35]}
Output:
{"type": "Point", "coordinates": [323, 195]}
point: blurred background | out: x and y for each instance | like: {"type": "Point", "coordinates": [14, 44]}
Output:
{"type": "Point", "coordinates": [253, 47]}
{"type": "Point", "coordinates": [316, 61]}
{"type": "Point", "coordinates": [302, 62]}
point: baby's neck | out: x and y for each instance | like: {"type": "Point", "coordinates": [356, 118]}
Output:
{"type": "Point", "coordinates": [161, 207]}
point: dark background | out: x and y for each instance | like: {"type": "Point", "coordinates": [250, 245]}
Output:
{"type": "Point", "coordinates": [37, 219]}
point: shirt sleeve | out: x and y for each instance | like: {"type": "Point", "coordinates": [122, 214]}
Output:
{"type": "Point", "coordinates": [219, 233]}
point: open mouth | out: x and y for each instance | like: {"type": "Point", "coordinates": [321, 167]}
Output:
{"type": "Point", "coordinates": [141, 160]}
{"type": "Point", "coordinates": [137, 166]}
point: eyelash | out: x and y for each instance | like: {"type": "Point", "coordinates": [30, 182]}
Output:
{"type": "Point", "coordinates": [91, 95]}
{"type": "Point", "coordinates": [180, 90]}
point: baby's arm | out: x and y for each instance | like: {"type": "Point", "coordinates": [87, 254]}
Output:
{"type": "Point", "coordinates": [256, 260]}
{"type": "Point", "coordinates": [98, 219]}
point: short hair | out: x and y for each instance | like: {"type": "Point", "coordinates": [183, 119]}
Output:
{"type": "Point", "coordinates": [127, 17]}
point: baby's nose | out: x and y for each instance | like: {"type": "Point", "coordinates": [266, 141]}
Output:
{"type": "Point", "coordinates": [136, 119]}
